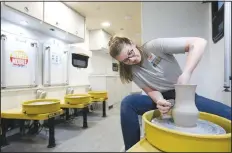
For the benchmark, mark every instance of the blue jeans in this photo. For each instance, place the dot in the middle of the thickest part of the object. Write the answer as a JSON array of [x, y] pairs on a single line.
[[135, 104]]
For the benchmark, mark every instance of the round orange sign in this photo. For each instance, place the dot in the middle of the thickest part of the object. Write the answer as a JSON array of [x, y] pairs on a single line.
[[19, 58]]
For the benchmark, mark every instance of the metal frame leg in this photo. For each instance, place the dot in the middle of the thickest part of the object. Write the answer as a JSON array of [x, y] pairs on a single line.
[[75, 112], [67, 113], [4, 141], [22, 127], [104, 109], [51, 125], [85, 111]]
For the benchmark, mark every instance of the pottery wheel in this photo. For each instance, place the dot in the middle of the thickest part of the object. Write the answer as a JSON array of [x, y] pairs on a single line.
[[202, 127]]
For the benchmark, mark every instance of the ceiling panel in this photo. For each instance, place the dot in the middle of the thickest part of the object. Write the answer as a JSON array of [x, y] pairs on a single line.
[[125, 17]]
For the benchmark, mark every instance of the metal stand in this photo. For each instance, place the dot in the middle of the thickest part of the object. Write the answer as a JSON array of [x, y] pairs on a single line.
[[51, 125], [75, 112], [67, 114], [22, 127], [85, 111], [104, 108], [4, 141]]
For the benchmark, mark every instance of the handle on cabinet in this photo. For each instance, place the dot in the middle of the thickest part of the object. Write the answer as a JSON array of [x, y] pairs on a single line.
[[3, 62], [57, 23], [26, 9], [35, 44], [48, 49]]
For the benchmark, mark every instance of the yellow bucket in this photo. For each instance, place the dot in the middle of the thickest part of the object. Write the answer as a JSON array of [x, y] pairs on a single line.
[[169, 140], [40, 106], [75, 99], [98, 94]]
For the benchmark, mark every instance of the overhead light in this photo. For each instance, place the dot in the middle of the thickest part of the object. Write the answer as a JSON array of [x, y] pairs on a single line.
[[128, 17], [105, 24], [137, 34], [24, 22]]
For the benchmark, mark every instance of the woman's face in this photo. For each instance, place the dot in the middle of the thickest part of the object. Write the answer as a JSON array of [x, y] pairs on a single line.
[[129, 55]]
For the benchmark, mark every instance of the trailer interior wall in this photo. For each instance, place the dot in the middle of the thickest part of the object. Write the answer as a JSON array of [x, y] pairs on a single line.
[[217, 67], [11, 98], [186, 19]]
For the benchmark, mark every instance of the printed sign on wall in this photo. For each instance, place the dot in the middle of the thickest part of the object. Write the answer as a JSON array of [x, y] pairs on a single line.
[[56, 58], [19, 58]]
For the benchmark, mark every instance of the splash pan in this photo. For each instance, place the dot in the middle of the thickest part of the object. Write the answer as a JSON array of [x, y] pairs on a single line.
[[212, 134], [98, 94], [202, 127], [75, 99], [40, 106]]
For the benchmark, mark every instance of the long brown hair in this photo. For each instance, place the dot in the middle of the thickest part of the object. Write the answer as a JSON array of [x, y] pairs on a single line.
[[116, 45]]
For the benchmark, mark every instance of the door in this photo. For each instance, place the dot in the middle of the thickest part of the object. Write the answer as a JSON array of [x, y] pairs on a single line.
[[34, 9]]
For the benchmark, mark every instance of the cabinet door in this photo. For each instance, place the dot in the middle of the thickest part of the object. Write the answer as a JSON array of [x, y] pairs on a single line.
[[34, 9], [77, 24], [53, 12], [111, 88], [19, 61], [55, 64], [80, 29], [105, 39]]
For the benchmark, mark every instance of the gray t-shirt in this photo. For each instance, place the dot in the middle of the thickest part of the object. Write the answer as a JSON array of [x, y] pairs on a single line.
[[159, 70]]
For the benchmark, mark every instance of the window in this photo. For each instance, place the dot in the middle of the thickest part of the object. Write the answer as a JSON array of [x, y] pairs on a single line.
[[217, 21]]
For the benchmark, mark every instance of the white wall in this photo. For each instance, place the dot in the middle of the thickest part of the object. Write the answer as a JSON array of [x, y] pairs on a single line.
[[102, 68], [186, 19], [217, 67], [13, 98], [102, 64]]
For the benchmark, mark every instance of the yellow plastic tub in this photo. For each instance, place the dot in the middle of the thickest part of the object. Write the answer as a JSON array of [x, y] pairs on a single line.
[[169, 140], [75, 99], [98, 94], [40, 106]]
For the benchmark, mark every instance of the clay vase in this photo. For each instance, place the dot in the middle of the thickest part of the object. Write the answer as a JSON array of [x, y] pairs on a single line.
[[185, 112]]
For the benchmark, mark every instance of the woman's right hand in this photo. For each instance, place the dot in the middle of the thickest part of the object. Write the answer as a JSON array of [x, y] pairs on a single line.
[[163, 105]]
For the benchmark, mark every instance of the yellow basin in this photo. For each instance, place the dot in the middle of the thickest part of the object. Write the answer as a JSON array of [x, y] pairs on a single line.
[[169, 140], [41, 106], [75, 99], [98, 94]]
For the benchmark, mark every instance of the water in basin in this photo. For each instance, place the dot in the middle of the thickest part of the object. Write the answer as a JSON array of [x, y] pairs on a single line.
[[202, 127], [40, 103], [77, 96]]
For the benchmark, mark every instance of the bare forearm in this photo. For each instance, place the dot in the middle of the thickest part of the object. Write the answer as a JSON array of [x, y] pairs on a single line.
[[155, 95], [196, 50]]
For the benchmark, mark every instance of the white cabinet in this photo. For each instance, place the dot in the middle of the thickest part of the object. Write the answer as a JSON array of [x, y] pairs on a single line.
[[61, 16], [34, 9], [76, 24], [98, 40], [55, 63], [116, 90], [18, 61], [111, 85], [53, 12], [98, 83]]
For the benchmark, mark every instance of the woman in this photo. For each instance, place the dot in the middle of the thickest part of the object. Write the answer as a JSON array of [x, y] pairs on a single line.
[[155, 70]]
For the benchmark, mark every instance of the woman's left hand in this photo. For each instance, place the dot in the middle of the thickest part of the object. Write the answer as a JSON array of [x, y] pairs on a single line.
[[184, 78]]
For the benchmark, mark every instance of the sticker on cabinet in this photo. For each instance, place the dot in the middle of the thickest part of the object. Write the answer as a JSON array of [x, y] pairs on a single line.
[[19, 58], [56, 59]]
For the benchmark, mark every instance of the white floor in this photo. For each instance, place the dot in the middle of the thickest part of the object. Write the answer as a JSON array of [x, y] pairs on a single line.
[[102, 134]]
